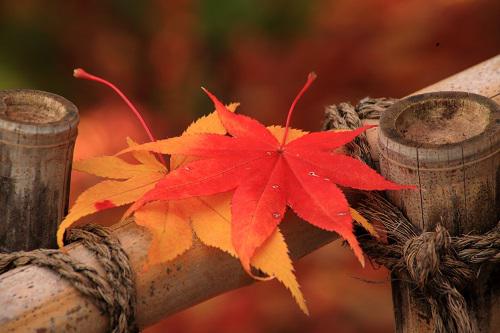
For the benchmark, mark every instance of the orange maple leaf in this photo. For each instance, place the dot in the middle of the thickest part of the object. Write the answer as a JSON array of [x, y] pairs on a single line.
[[172, 222]]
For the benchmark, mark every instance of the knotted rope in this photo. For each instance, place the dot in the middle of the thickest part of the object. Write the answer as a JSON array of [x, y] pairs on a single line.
[[438, 265], [113, 294]]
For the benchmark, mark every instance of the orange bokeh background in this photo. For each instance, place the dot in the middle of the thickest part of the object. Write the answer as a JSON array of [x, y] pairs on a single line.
[[258, 53]]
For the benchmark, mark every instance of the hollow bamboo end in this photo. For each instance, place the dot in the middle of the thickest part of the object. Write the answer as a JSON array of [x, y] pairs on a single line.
[[442, 125], [36, 113], [37, 136]]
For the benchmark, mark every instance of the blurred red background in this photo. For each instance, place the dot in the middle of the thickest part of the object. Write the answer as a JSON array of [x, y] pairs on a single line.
[[257, 53]]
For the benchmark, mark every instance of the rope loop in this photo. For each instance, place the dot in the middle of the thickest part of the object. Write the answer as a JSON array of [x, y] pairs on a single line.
[[120, 294], [423, 254], [114, 294]]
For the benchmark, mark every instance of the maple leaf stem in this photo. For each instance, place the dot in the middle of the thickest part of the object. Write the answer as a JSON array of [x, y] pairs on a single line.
[[310, 79], [80, 73]]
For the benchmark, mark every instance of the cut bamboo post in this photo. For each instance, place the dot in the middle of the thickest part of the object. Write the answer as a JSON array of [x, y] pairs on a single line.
[[482, 79], [37, 136], [33, 298], [448, 144]]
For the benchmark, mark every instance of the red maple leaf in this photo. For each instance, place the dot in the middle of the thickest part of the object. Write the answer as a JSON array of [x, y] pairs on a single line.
[[267, 176]]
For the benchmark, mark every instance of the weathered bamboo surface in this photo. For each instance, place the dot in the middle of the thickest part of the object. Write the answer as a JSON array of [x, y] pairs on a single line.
[[448, 144], [37, 136], [34, 299]]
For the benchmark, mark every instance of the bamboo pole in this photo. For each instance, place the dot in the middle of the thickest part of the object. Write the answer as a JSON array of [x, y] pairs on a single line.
[[482, 79], [47, 303], [37, 136], [448, 144]]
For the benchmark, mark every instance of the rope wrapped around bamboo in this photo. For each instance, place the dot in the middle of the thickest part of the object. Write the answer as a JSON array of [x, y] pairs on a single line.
[[438, 265], [114, 293]]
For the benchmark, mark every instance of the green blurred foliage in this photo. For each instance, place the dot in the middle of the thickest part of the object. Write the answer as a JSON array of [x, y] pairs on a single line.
[[220, 19]]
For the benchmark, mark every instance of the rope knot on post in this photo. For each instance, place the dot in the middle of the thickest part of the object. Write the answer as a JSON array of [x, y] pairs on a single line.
[[424, 253], [432, 265], [439, 266], [440, 270]]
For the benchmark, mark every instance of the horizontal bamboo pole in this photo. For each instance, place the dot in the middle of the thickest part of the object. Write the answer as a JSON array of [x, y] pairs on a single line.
[[482, 79], [34, 299]]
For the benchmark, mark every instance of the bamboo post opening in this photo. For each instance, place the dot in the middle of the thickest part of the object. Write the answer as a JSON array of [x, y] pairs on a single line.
[[448, 144], [37, 136]]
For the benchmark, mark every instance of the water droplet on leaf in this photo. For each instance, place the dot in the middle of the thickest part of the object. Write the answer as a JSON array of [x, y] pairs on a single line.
[[312, 174], [326, 179], [276, 215], [275, 186], [342, 214]]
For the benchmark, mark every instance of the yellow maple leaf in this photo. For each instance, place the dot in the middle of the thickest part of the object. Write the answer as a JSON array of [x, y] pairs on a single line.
[[112, 167], [170, 229], [130, 182], [145, 157], [272, 258]]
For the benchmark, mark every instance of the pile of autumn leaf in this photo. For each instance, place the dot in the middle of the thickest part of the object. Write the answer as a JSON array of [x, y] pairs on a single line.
[[229, 182]]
